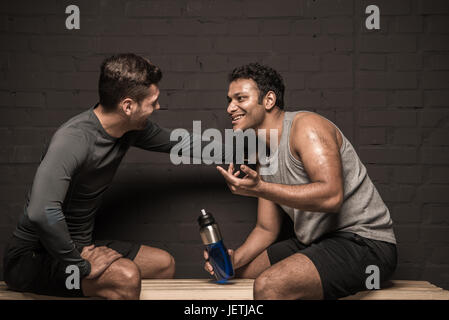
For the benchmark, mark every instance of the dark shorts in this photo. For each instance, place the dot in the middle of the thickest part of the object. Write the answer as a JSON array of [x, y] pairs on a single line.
[[341, 259], [28, 267]]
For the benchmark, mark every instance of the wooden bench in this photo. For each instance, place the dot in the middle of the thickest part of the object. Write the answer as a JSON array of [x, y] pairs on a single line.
[[242, 289]]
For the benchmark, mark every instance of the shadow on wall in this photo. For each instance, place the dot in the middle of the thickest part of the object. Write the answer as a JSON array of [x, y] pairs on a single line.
[[159, 206]]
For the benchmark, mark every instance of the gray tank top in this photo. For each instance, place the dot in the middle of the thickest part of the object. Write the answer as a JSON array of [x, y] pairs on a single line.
[[363, 211]]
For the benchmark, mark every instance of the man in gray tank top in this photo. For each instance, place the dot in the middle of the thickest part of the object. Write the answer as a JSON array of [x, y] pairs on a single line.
[[341, 227]]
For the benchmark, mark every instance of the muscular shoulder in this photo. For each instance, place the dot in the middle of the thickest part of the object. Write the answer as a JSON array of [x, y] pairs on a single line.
[[306, 121], [310, 127]]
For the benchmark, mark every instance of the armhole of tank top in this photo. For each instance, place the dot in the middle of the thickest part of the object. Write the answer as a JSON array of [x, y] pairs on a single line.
[[290, 155], [343, 138]]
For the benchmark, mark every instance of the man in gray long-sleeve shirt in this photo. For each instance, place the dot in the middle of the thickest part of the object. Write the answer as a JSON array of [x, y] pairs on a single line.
[[56, 228]]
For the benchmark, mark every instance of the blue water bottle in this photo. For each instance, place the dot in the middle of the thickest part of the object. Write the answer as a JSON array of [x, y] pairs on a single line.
[[218, 254]]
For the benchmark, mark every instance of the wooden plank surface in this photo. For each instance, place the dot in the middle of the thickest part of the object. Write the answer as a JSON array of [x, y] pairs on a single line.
[[242, 289], [197, 289], [403, 290]]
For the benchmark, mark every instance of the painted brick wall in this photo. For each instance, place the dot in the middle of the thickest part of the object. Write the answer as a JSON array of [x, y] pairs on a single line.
[[386, 89]]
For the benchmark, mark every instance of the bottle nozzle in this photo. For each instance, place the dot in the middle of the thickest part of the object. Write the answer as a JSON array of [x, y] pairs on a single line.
[[203, 212]]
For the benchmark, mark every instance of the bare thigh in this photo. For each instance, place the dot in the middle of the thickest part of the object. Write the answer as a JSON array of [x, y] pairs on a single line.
[[295, 277]]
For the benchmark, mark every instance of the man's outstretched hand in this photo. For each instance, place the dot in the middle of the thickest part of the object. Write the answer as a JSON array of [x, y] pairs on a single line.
[[249, 185], [100, 259]]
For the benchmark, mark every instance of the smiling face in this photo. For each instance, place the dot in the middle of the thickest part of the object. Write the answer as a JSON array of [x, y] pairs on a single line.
[[243, 104]]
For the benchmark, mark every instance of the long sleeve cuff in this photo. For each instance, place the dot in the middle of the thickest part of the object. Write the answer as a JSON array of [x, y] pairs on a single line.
[[84, 268]]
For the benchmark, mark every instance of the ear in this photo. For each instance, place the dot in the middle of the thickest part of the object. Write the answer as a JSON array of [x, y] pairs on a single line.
[[126, 105], [269, 101]]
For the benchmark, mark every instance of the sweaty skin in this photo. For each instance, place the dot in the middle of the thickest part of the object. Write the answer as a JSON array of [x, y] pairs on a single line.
[[318, 190], [316, 142]]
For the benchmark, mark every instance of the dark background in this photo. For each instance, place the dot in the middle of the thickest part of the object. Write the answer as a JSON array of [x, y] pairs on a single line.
[[386, 89]]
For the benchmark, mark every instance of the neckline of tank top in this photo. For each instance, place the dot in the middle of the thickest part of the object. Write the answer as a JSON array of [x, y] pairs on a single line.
[[274, 153]]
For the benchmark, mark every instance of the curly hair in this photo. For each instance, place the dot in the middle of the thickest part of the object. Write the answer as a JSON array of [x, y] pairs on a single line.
[[126, 75], [267, 79]]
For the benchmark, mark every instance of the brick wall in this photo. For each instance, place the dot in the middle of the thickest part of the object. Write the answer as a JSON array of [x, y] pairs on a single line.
[[386, 89]]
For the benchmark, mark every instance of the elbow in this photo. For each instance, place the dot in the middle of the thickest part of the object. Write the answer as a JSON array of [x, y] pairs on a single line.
[[34, 217], [334, 203], [38, 215]]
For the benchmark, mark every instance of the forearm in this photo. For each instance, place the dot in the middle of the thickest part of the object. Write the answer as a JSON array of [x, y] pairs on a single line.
[[315, 196], [258, 240], [65, 154], [190, 144], [55, 237]]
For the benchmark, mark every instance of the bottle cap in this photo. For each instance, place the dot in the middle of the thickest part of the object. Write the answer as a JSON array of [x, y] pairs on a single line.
[[205, 219]]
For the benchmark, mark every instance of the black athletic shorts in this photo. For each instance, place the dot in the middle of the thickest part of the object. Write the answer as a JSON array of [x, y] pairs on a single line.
[[341, 259], [28, 267]]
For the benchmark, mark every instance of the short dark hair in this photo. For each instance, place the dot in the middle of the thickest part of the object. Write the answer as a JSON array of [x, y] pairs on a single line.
[[267, 79], [126, 75]]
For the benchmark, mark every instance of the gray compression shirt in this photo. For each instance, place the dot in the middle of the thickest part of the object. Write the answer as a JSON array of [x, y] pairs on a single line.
[[75, 171]]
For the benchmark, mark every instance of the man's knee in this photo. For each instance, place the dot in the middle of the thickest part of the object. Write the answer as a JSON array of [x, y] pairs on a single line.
[[263, 288], [167, 266], [127, 273], [267, 288], [121, 281], [274, 286]]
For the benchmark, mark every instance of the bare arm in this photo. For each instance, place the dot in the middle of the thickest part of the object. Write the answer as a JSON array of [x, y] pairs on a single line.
[[265, 232], [314, 141]]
